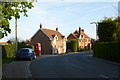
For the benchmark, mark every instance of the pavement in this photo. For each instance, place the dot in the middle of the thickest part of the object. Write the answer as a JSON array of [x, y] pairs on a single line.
[[16, 69]]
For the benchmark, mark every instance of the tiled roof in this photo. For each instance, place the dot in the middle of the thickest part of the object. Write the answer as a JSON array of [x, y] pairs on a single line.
[[86, 36], [71, 36], [51, 33], [76, 35]]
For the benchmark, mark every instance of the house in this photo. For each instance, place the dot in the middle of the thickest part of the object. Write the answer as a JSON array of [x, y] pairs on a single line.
[[49, 40], [83, 39], [3, 43]]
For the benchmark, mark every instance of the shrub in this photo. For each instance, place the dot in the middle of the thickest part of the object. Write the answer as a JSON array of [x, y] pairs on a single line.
[[24, 45], [107, 50], [9, 50], [74, 44]]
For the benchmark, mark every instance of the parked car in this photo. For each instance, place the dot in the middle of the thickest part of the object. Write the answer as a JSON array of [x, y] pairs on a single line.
[[25, 53]]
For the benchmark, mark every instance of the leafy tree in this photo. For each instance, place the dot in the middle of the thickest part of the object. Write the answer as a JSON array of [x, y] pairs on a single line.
[[106, 30], [12, 10], [117, 23]]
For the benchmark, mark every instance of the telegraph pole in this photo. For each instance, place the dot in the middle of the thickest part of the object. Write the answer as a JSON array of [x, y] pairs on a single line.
[[16, 32]]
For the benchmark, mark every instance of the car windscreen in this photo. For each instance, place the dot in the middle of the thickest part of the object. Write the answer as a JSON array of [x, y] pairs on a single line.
[[23, 50]]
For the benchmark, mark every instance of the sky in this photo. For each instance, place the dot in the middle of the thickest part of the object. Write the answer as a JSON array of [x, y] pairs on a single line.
[[66, 15]]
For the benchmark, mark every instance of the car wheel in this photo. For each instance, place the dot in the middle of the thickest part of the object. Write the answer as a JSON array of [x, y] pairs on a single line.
[[30, 58], [16, 58]]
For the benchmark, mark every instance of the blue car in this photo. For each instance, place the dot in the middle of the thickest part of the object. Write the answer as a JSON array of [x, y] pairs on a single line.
[[25, 53]]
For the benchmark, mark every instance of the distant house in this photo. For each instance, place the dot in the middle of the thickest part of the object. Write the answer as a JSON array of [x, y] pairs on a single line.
[[3, 43], [49, 39], [83, 39]]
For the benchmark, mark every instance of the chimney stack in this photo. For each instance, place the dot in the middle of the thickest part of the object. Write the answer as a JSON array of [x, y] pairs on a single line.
[[56, 29], [40, 26], [79, 30]]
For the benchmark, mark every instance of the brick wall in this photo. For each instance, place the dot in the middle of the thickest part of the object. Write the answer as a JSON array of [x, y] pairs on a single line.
[[46, 47]]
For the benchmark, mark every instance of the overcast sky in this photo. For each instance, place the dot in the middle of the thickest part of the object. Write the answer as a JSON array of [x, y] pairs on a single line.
[[67, 15]]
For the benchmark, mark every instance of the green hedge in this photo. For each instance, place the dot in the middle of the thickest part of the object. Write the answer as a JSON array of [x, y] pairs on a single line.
[[108, 50], [72, 45], [9, 51]]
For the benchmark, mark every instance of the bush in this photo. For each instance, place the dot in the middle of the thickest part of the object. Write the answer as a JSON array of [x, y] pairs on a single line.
[[72, 45], [24, 45], [107, 50], [9, 50]]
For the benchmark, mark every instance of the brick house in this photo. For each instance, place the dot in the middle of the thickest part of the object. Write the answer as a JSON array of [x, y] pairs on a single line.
[[83, 39], [3, 43], [49, 39]]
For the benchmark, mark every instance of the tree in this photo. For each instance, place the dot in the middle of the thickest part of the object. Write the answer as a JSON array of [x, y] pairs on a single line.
[[12, 10], [106, 30], [117, 23], [109, 29]]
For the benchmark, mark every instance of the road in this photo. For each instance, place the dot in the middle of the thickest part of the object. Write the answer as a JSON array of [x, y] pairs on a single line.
[[77, 65], [16, 70]]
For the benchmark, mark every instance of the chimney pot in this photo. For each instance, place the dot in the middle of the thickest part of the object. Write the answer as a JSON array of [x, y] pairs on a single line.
[[40, 26], [56, 29], [79, 30]]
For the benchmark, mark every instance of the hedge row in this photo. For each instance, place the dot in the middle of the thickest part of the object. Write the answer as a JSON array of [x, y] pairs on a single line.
[[109, 51], [9, 50]]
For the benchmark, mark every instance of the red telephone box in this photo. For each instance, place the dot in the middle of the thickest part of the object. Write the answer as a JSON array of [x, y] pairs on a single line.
[[38, 49]]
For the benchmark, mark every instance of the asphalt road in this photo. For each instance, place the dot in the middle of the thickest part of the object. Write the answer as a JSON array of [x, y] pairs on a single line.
[[79, 65], [16, 70]]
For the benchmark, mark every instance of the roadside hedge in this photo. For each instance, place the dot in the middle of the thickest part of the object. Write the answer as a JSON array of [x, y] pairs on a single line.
[[107, 50], [9, 50]]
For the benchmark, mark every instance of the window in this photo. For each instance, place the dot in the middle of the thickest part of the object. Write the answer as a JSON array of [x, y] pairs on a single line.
[[55, 39]]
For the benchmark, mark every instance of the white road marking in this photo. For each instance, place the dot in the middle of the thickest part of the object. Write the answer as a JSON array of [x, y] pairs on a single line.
[[89, 55], [28, 73], [78, 67], [103, 76]]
